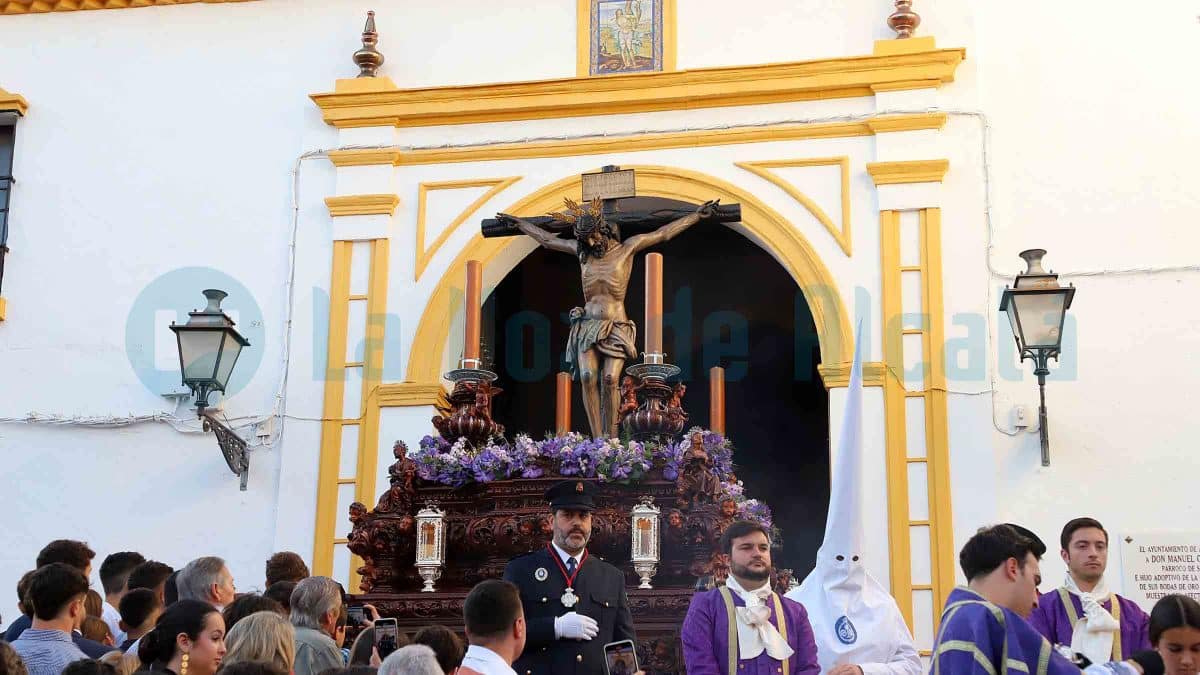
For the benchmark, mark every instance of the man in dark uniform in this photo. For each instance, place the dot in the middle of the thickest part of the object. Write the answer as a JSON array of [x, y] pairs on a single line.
[[574, 603]]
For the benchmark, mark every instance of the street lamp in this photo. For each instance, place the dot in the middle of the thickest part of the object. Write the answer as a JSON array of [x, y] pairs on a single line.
[[209, 347], [1037, 306]]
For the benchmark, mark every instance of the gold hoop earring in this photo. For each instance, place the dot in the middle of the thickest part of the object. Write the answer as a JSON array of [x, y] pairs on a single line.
[[183, 664]]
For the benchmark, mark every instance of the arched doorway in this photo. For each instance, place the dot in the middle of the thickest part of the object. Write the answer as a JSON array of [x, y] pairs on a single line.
[[727, 302]]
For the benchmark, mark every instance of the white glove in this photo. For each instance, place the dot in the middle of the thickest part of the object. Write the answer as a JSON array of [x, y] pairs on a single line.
[[575, 626]]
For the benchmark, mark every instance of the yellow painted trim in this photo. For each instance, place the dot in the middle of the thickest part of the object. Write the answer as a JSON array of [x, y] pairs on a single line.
[[373, 343], [913, 171], [896, 452], [634, 143], [838, 374], [3, 308], [11, 101], [363, 157], [636, 93], [41, 6], [401, 394], [331, 427], [424, 255], [840, 235], [765, 226], [904, 46], [905, 85], [583, 37], [362, 205], [937, 431], [892, 123]]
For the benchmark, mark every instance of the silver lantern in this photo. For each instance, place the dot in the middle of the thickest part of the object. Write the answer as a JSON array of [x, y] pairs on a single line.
[[644, 533], [431, 544]]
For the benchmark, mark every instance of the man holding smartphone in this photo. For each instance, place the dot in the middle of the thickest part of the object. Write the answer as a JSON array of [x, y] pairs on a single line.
[[574, 603]]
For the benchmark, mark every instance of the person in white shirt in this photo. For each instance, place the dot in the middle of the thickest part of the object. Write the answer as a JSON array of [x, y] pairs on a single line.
[[114, 576], [495, 626], [858, 627]]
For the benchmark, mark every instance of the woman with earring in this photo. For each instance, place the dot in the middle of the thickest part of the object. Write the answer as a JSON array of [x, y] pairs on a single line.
[[189, 639], [1175, 635]]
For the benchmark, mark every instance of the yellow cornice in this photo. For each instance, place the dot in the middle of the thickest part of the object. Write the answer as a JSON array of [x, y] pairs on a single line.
[[400, 394], [647, 92], [363, 157], [838, 374], [362, 205], [40, 6], [763, 170], [651, 141], [890, 123], [11, 101], [3, 308], [914, 171]]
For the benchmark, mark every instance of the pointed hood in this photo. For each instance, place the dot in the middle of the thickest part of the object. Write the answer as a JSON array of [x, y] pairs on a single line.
[[843, 600]]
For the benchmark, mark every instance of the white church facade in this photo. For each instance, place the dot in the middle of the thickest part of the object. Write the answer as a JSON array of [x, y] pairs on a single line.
[[162, 148]]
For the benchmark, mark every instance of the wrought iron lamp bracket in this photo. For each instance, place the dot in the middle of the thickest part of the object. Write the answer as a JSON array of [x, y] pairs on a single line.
[[233, 447]]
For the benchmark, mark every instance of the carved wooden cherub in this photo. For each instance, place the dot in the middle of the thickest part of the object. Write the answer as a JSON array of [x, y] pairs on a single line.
[[629, 402]]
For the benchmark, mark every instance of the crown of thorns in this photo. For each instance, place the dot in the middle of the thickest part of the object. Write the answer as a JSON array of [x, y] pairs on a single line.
[[590, 215]]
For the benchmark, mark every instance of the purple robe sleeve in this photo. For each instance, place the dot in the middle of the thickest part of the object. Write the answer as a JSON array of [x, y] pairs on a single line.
[[970, 639], [699, 643], [804, 661]]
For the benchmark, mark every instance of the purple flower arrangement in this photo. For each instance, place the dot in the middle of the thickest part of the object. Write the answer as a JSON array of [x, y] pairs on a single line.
[[573, 455]]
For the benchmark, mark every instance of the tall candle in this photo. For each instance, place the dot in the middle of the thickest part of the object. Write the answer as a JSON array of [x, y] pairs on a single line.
[[474, 303], [716, 399], [562, 404], [654, 306]]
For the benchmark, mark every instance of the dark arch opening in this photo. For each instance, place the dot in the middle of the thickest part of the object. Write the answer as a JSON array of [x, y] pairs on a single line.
[[726, 302]]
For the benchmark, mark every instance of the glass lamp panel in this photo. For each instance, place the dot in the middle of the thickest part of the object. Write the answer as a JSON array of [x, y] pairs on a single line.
[[1041, 316], [198, 350], [229, 357], [1014, 322]]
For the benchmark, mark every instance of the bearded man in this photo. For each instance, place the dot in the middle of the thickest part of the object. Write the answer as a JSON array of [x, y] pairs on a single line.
[[743, 627], [574, 603]]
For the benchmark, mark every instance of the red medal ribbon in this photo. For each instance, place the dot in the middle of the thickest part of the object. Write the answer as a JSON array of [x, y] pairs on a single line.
[[563, 568]]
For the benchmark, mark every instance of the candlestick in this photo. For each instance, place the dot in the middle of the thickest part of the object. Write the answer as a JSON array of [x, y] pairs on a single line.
[[562, 405], [716, 400], [654, 307], [474, 302]]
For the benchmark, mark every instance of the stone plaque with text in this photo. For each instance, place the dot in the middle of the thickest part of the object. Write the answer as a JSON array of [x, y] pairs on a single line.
[[1160, 563]]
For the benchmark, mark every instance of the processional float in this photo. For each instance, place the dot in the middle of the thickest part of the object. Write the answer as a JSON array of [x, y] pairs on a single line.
[[469, 499]]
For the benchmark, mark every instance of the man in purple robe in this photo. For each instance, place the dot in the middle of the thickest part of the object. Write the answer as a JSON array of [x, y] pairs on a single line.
[[1083, 614], [743, 628], [983, 629]]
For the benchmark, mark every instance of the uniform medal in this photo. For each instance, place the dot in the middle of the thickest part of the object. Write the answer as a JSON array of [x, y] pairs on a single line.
[[568, 599]]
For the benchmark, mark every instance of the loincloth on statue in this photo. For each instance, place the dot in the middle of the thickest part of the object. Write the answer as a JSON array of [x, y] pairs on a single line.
[[611, 338]]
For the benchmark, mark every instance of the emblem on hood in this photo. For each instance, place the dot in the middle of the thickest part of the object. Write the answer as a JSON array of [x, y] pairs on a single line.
[[846, 634]]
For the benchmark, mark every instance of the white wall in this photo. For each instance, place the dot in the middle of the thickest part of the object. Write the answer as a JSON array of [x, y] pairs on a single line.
[[160, 138]]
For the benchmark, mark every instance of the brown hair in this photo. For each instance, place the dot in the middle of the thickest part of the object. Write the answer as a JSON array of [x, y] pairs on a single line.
[[10, 661], [74, 553], [286, 566], [739, 529], [96, 630], [94, 604]]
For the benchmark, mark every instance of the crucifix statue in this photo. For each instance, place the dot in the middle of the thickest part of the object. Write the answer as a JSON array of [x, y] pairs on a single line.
[[602, 337]]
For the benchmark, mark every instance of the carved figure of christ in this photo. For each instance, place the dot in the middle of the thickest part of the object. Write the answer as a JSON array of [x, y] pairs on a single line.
[[602, 336]]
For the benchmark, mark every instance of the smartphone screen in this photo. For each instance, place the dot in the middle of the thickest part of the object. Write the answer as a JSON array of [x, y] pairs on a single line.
[[355, 615], [385, 637], [620, 658]]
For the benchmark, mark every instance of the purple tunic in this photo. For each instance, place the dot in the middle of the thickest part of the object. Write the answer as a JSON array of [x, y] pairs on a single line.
[[1051, 619], [705, 637], [976, 637]]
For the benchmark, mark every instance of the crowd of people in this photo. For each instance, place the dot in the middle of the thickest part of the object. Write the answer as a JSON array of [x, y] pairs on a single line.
[[192, 621]]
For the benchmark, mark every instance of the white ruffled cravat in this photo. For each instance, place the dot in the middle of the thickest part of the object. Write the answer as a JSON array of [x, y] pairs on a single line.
[[1093, 636], [755, 631]]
